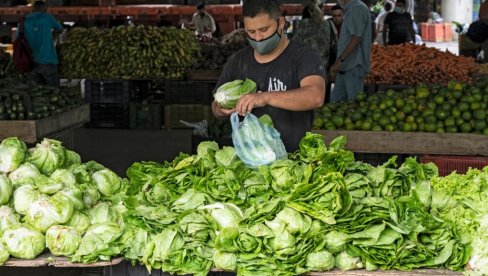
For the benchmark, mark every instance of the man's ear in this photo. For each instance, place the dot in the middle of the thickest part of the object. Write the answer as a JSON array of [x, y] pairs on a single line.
[[281, 24]]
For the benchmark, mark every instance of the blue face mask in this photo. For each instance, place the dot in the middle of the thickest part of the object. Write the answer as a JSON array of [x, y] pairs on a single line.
[[266, 45]]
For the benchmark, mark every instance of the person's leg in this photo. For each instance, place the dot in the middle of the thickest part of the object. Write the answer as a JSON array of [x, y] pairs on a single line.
[[354, 82], [339, 93], [35, 76], [50, 74]]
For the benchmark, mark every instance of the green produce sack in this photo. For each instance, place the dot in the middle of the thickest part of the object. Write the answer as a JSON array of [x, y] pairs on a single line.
[[256, 142]]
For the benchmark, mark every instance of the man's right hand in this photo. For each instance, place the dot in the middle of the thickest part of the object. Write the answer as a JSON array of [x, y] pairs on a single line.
[[220, 112]]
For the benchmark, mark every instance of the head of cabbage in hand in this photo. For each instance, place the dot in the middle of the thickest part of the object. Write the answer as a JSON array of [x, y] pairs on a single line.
[[229, 93]]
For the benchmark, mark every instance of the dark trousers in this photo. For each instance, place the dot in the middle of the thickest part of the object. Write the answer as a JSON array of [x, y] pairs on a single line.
[[45, 74]]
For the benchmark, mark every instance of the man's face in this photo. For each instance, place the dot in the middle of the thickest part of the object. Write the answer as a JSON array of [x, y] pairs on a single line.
[[201, 12], [337, 17], [262, 26]]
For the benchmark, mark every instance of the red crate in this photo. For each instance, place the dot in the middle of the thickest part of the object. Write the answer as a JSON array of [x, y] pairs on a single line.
[[424, 31], [436, 32], [447, 32], [449, 163]]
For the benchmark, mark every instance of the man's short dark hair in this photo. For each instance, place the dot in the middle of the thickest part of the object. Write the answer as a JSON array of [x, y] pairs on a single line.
[[252, 8], [200, 6], [39, 6], [336, 7], [388, 6]]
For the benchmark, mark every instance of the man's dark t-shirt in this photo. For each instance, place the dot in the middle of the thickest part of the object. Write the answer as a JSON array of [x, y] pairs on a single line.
[[284, 73], [399, 26]]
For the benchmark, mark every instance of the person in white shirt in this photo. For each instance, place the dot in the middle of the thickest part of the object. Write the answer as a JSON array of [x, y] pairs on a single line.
[[202, 21]]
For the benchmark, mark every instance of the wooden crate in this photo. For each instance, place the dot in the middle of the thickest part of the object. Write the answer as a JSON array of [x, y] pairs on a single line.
[[31, 131], [411, 142]]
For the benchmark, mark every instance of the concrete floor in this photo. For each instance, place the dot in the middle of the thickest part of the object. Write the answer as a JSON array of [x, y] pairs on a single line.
[[451, 46]]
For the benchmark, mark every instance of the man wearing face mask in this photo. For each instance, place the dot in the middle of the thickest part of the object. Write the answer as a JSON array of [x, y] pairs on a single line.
[[290, 77], [203, 21], [353, 51], [398, 26]]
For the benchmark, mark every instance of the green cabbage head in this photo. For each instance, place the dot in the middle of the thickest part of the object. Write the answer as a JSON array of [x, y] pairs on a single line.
[[229, 93], [320, 261], [107, 181], [23, 242], [62, 240], [23, 197], [48, 211], [224, 260], [79, 221], [47, 156], [5, 189], [12, 153], [24, 174], [4, 255], [346, 262], [8, 218]]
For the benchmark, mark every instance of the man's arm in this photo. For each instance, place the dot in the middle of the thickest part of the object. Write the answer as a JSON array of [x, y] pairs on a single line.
[[213, 28], [309, 96], [351, 47]]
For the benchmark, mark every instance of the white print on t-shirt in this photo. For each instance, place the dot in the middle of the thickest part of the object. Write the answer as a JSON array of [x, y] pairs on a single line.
[[276, 85]]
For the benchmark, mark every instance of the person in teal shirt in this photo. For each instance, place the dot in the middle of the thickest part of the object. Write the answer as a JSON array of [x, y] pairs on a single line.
[[38, 31], [353, 51]]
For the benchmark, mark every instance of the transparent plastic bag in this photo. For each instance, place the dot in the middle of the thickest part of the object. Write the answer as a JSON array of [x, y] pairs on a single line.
[[256, 143]]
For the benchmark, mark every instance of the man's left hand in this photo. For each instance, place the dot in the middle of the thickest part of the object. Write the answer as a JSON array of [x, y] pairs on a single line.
[[250, 101], [335, 67]]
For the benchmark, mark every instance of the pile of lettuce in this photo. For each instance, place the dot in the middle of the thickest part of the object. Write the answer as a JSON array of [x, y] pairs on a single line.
[[462, 200], [51, 201], [316, 210]]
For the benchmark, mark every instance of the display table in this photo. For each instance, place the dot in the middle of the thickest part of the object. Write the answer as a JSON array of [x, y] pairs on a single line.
[[31, 131], [410, 142], [50, 260]]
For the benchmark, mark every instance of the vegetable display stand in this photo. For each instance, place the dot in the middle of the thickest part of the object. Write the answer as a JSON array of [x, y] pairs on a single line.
[[411, 142], [31, 131], [449, 163]]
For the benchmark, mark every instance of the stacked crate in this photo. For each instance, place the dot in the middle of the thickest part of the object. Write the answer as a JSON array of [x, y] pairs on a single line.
[[189, 101], [110, 101]]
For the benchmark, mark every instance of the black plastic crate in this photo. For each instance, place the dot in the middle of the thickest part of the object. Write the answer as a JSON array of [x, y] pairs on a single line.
[[109, 115], [188, 92], [145, 116], [107, 91]]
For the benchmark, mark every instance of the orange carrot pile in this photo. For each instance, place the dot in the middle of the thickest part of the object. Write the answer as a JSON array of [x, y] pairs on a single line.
[[413, 64]]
